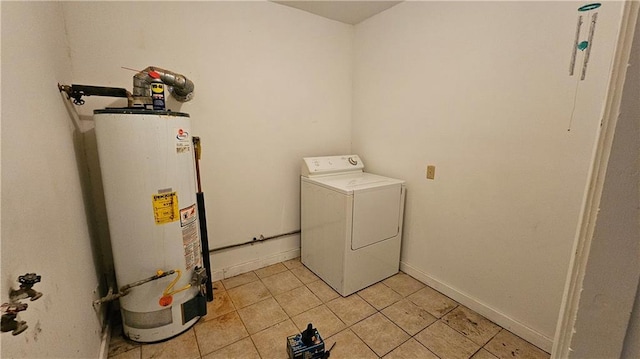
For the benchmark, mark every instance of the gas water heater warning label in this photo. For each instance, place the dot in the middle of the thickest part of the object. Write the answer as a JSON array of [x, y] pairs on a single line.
[[165, 207], [190, 239], [188, 215]]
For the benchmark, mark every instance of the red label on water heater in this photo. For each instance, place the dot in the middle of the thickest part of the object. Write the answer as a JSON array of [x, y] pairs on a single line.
[[183, 144], [182, 135]]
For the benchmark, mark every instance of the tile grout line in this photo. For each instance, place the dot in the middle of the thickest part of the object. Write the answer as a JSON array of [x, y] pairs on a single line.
[[196, 337], [488, 341], [381, 313], [332, 311]]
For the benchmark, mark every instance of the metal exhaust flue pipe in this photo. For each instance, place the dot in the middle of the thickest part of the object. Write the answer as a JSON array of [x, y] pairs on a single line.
[[182, 87]]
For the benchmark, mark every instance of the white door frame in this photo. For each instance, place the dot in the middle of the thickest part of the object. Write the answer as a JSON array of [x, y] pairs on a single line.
[[598, 297]]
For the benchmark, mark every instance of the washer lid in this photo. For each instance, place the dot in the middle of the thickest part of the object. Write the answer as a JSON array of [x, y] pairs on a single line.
[[360, 181]]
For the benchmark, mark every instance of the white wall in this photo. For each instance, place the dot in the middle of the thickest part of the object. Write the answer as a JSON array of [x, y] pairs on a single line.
[[272, 85], [481, 90], [44, 215]]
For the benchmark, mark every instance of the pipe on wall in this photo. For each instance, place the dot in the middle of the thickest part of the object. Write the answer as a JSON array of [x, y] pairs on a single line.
[[254, 240]]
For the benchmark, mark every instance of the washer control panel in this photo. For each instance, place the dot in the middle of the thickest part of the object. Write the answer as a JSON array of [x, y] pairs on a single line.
[[316, 166]]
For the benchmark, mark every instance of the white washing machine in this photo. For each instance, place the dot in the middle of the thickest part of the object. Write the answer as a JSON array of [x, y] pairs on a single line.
[[351, 222]]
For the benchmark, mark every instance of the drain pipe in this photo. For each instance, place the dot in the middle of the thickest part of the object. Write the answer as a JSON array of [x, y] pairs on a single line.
[[182, 87]]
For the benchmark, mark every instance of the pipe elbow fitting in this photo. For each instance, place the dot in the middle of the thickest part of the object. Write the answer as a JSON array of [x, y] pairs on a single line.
[[182, 87]]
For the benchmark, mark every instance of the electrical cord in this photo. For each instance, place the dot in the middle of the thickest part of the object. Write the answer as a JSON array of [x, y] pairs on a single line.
[[327, 353]]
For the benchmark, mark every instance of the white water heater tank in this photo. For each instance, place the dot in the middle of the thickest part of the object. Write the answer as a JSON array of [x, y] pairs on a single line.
[[148, 174]]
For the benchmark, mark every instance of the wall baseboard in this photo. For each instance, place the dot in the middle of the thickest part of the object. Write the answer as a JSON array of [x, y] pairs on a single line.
[[231, 271], [492, 314]]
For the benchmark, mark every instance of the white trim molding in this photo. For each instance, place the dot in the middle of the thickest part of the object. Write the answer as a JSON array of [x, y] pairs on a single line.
[[600, 237], [496, 316]]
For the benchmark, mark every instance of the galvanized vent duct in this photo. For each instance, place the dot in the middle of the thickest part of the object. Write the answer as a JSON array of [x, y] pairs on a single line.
[[182, 87]]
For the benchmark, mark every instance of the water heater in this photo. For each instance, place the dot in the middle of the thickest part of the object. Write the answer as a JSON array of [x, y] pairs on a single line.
[[148, 174]]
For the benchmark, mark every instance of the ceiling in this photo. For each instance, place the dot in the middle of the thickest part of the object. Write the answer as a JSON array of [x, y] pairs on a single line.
[[348, 12]]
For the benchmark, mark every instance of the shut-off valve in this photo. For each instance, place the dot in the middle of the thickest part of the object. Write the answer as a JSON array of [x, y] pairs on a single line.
[[10, 311], [26, 290]]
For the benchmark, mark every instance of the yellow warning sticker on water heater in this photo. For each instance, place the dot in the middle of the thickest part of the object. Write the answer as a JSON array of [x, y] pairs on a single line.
[[165, 207]]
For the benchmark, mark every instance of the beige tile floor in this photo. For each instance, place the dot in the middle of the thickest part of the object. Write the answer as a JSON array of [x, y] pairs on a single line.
[[253, 313]]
